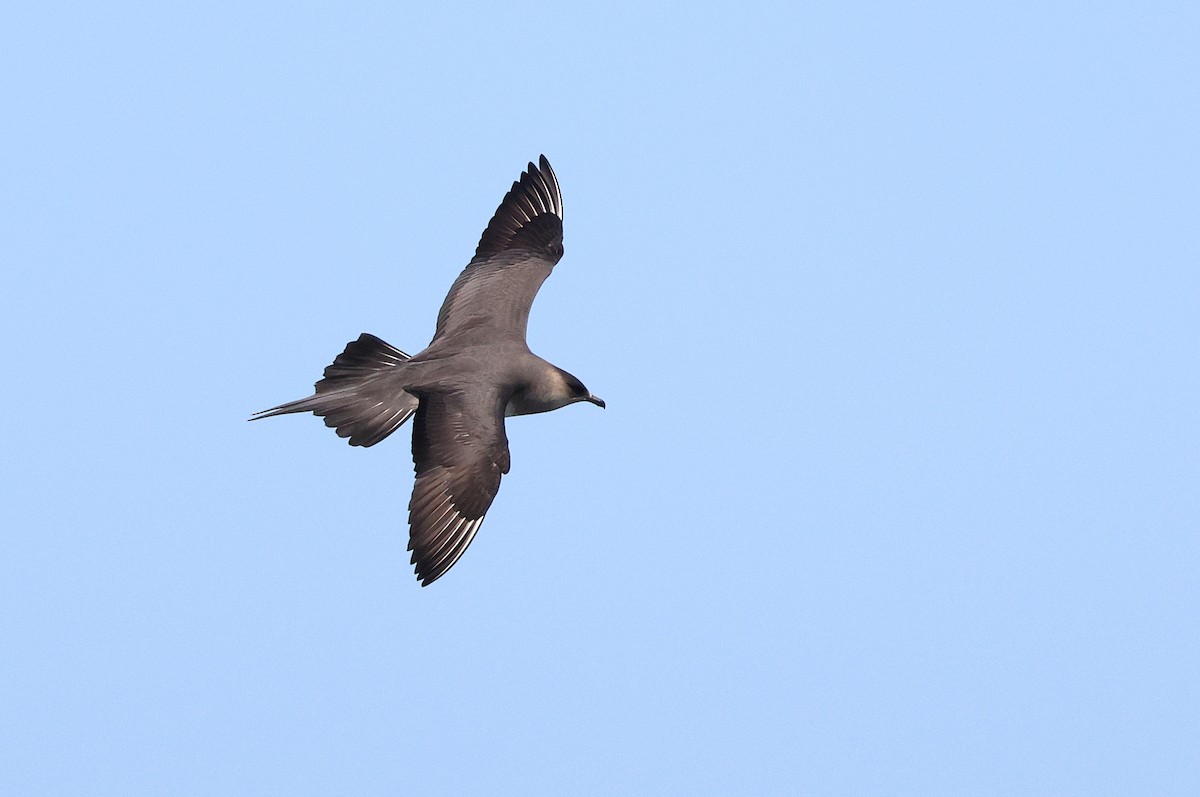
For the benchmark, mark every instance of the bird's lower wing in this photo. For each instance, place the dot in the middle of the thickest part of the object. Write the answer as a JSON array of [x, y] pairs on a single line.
[[460, 452]]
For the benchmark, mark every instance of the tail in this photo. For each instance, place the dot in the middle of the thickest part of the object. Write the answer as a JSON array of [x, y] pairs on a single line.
[[352, 399]]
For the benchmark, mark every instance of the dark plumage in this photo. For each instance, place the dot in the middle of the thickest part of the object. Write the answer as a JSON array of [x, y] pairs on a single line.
[[476, 370]]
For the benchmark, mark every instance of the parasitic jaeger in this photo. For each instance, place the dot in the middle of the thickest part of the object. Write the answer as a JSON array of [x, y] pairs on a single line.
[[477, 370]]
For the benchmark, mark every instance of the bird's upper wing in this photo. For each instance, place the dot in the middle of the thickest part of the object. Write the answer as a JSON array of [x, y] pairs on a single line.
[[491, 298], [460, 452]]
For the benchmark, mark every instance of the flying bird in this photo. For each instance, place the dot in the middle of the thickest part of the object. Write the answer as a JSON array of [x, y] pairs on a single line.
[[475, 372]]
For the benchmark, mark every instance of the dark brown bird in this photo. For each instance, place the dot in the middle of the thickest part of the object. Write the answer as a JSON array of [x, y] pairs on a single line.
[[476, 371]]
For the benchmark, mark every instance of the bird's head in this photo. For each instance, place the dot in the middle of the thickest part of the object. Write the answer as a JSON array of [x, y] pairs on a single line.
[[577, 392], [550, 389]]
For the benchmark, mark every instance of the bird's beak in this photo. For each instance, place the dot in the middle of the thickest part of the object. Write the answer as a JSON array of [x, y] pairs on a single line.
[[599, 402]]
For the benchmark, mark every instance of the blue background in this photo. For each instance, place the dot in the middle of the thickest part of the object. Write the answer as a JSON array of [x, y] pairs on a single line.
[[896, 308]]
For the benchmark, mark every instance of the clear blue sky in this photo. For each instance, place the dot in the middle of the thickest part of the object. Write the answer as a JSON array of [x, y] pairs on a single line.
[[896, 308]]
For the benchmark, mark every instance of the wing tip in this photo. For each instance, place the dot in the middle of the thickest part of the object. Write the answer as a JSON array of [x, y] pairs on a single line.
[[434, 564], [530, 215], [438, 536]]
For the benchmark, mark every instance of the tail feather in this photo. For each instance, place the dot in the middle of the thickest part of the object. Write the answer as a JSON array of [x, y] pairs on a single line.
[[354, 398], [368, 353]]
